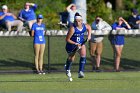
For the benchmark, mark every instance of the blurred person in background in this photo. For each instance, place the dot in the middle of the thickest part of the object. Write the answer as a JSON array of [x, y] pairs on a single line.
[[117, 41], [27, 15], [134, 19], [9, 20], [96, 44], [72, 10], [38, 30]]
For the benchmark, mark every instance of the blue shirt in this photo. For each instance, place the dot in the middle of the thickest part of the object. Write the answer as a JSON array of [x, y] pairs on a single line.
[[0, 20], [6, 18], [132, 22], [118, 39], [78, 37], [39, 33], [28, 15], [94, 27]]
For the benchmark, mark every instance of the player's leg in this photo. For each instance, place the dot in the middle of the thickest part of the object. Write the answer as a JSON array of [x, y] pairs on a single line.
[[93, 47], [41, 54], [8, 25], [36, 51], [82, 62], [98, 55], [19, 25], [68, 64], [118, 49], [71, 56], [30, 23], [69, 61]]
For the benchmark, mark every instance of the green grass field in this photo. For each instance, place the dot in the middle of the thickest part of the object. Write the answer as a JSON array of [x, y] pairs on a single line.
[[107, 82], [16, 53]]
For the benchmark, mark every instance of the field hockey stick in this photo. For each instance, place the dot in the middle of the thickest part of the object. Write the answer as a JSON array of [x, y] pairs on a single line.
[[76, 48]]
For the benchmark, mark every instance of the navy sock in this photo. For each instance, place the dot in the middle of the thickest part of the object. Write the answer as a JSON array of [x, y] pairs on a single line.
[[68, 64], [82, 63]]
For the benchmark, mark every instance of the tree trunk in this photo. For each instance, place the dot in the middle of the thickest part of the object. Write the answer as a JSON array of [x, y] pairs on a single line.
[[119, 4], [82, 7], [134, 1]]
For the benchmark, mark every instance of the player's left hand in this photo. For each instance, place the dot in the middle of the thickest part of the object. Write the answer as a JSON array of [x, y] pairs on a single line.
[[88, 38]]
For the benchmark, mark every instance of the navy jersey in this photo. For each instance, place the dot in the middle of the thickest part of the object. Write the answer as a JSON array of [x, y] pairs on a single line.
[[78, 37]]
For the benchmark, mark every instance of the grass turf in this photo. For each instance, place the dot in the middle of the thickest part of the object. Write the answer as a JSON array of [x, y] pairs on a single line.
[[16, 53], [107, 82]]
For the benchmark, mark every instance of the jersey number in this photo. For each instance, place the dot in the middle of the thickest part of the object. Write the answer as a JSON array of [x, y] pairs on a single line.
[[78, 39]]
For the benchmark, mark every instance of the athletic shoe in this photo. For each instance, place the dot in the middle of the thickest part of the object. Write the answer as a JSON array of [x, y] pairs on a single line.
[[42, 72], [70, 78], [98, 69], [117, 70], [81, 75], [68, 73], [38, 72]]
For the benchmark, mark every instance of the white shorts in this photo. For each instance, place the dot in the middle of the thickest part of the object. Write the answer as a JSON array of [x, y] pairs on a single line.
[[96, 39]]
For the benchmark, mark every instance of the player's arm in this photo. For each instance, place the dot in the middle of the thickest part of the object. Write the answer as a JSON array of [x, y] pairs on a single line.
[[34, 6], [32, 30], [14, 16], [126, 23], [20, 16], [89, 32], [69, 35], [2, 16], [69, 6], [32, 33]]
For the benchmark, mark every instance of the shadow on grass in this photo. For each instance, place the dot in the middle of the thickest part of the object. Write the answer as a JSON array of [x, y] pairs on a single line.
[[126, 64], [16, 63], [106, 64]]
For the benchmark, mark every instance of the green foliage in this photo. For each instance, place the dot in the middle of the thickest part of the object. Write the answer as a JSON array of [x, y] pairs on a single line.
[[129, 4], [51, 13], [126, 12], [51, 8], [97, 8], [48, 8]]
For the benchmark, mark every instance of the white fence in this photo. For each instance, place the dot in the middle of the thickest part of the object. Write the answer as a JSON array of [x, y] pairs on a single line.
[[64, 32]]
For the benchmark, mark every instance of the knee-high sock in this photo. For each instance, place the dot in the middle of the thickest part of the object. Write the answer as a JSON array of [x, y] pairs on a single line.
[[68, 64], [82, 63]]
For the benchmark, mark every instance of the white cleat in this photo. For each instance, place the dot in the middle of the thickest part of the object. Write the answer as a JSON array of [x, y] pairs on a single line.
[[81, 75], [70, 79], [68, 73], [42, 72]]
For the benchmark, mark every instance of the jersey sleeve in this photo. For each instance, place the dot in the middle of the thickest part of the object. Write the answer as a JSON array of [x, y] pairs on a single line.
[[114, 26], [34, 7], [20, 14]]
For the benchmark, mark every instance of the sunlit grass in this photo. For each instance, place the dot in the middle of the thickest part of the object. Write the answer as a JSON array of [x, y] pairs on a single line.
[[57, 83]]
